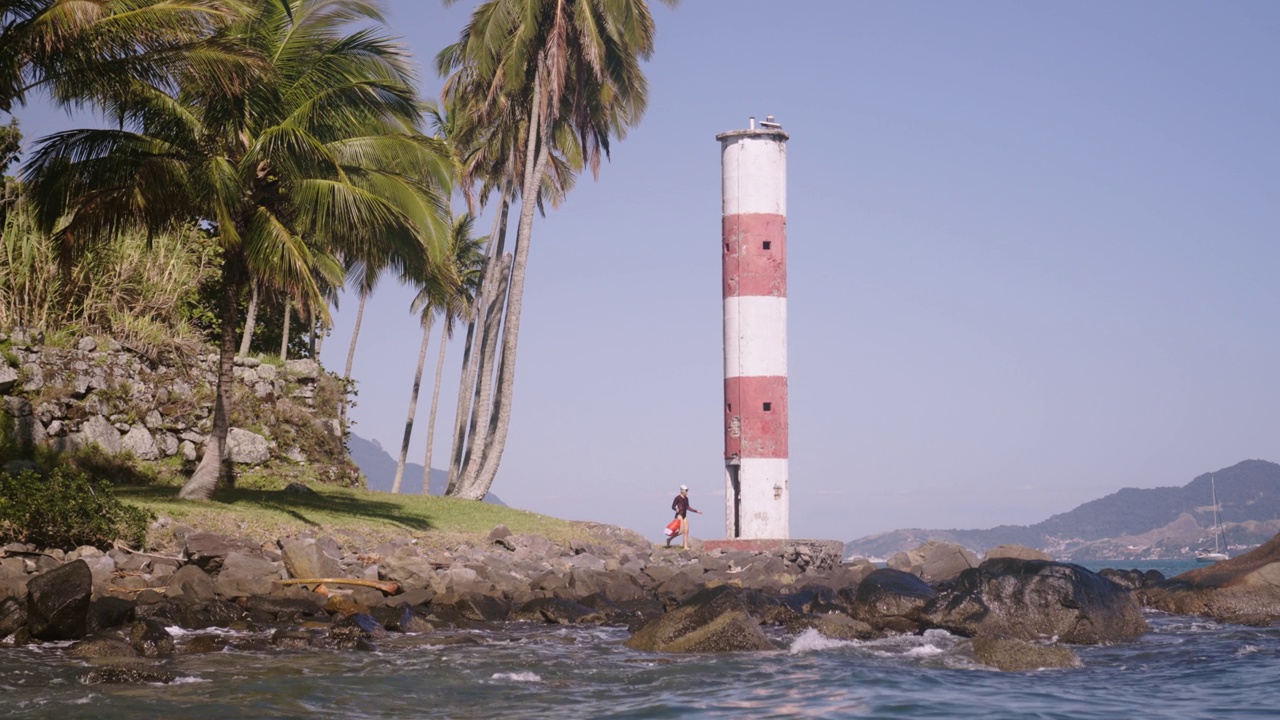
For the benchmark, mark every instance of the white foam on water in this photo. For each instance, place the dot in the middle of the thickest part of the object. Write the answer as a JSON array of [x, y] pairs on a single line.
[[811, 640], [188, 680], [530, 677], [1248, 649]]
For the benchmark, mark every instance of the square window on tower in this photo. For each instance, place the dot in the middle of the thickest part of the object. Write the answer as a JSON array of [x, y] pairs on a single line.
[[767, 244], [768, 407]]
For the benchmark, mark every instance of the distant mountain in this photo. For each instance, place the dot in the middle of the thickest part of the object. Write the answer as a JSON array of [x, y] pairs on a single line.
[[1153, 523], [379, 470]]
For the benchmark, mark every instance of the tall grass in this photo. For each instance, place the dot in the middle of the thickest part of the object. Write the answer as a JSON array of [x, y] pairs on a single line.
[[142, 291]]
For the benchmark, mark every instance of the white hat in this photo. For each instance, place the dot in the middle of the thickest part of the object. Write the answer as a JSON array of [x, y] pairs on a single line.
[[684, 487]]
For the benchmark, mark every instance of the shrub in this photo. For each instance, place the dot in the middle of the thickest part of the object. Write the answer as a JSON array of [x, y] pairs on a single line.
[[66, 509]]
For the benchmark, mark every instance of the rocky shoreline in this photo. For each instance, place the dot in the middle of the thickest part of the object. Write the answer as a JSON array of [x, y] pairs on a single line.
[[1021, 612]]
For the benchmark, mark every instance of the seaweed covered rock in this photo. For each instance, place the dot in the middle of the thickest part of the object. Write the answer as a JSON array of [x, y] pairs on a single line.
[[714, 620]]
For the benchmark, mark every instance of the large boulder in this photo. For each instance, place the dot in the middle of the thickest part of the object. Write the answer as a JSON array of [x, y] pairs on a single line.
[[248, 448], [1033, 599], [1245, 588], [714, 620], [141, 443], [305, 558], [58, 602], [244, 576], [892, 600], [935, 561], [1022, 552]]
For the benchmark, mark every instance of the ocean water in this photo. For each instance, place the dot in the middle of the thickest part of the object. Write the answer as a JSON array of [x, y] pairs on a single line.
[[1184, 668]]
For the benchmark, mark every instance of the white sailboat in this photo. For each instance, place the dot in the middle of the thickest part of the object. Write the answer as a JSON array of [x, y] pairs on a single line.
[[1218, 549]]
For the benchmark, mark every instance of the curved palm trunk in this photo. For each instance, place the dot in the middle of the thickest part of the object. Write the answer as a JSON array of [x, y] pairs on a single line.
[[205, 479], [500, 420], [475, 385], [431, 418], [250, 320], [475, 483], [413, 409], [478, 431], [465, 385], [351, 356]]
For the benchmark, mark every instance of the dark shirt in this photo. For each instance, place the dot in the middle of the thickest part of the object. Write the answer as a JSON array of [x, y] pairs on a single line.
[[681, 506]]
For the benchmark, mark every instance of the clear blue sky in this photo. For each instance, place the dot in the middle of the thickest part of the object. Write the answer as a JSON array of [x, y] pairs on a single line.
[[1033, 257]]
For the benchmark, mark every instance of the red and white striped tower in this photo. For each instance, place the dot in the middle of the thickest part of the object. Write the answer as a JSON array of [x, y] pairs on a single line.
[[754, 206]]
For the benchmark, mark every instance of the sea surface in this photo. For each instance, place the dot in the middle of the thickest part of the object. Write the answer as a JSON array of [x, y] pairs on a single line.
[[1184, 668]]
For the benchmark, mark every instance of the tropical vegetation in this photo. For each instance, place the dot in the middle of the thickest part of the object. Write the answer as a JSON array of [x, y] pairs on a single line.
[[263, 155]]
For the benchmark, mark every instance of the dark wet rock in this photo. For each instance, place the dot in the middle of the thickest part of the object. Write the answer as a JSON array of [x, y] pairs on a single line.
[[109, 612], [150, 638], [193, 616], [1013, 655], [58, 602], [275, 608], [199, 644], [462, 610], [838, 627], [289, 639], [13, 617], [102, 646], [1245, 586], [714, 620], [367, 625], [1133, 579], [892, 600], [556, 611], [935, 561], [402, 618], [610, 610], [1031, 599], [125, 676]]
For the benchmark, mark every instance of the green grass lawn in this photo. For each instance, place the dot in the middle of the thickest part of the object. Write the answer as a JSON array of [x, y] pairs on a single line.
[[370, 517]]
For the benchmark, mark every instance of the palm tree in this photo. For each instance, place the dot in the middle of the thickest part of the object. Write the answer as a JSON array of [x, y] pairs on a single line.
[[318, 157], [93, 50], [565, 70], [469, 261], [449, 301]]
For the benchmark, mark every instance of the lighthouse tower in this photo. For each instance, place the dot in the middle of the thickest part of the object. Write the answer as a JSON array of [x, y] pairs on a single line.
[[754, 206]]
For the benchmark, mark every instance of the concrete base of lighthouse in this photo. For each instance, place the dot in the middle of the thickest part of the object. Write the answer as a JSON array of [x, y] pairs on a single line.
[[822, 552]]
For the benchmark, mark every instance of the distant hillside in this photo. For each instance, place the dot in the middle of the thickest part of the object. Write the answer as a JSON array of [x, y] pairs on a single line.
[[1163, 522], [379, 470]]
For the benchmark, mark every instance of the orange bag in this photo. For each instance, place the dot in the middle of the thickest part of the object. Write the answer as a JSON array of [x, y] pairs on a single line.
[[673, 527]]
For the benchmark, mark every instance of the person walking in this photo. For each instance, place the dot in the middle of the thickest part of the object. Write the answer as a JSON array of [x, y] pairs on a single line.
[[683, 508]]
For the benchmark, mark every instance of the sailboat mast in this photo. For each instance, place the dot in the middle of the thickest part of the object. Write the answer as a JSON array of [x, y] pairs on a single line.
[[1217, 523]]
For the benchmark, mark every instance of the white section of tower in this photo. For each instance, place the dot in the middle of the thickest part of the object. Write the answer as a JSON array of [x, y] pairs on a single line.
[[755, 174], [765, 502], [755, 327]]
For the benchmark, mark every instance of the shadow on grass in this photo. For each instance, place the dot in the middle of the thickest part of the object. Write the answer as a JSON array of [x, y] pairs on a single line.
[[301, 506]]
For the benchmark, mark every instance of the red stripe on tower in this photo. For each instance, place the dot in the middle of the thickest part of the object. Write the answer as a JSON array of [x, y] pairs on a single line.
[[754, 233]]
